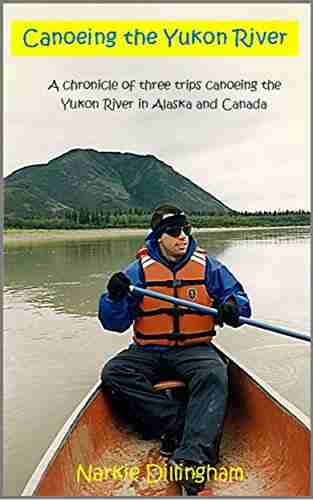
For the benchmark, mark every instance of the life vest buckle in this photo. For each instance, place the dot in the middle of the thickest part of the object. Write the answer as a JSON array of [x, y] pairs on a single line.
[[177, 283], [174, 336]]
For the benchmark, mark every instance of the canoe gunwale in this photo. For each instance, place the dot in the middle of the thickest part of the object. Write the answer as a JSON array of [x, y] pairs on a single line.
[[59, 440], [71, 422]]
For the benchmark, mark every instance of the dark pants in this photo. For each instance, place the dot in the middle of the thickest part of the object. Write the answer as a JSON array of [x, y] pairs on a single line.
[[129, 378]]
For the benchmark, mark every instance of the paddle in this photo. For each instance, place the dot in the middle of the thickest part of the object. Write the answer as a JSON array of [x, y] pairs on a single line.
[[213, 312]]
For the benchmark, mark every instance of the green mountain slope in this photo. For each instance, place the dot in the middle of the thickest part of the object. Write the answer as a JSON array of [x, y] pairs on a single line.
[[102, 180]]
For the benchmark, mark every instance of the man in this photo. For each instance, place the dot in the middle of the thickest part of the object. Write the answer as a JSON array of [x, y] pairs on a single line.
[[171, 341]]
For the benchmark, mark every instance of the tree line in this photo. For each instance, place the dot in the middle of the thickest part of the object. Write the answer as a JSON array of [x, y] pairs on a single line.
[[140, 218]]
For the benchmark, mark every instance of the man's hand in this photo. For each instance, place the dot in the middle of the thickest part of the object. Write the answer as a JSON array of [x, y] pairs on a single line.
[[118, 286], [228, 313]]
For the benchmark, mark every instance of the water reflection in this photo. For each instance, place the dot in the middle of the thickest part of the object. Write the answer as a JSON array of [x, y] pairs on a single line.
[[70, 276], [241, 236]]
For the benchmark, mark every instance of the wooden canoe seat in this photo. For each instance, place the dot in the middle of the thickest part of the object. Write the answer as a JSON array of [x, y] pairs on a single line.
[[168, 384]]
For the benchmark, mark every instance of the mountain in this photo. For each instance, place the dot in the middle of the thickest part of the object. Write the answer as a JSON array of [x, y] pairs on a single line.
[[85, 178]]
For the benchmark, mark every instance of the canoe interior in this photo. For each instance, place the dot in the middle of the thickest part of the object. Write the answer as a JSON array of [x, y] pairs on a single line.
[[270, 445]]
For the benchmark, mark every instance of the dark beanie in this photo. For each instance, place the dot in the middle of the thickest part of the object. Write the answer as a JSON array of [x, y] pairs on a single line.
[[167, 215]]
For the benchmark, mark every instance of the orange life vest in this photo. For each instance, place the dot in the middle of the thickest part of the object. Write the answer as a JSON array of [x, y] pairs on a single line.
[[167, 324]]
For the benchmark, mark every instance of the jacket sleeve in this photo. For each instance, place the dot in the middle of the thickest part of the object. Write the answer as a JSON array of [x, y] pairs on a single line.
[[222, 285], [118, 316]]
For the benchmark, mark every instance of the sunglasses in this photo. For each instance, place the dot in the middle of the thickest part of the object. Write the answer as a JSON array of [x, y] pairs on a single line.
[[175, 231]]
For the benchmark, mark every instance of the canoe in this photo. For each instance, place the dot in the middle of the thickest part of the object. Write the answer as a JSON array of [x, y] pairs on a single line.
[[265, 450]]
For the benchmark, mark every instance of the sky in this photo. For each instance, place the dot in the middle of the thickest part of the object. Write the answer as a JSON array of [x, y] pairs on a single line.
[[250, 160]]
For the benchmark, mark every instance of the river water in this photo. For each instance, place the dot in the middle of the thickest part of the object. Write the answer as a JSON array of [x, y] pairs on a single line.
[[54, 347]]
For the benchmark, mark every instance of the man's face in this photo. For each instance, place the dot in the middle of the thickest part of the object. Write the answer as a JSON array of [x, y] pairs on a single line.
[[174, 247]]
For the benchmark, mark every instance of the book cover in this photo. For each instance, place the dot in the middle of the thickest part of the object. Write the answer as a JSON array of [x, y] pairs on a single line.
[[109, 111]]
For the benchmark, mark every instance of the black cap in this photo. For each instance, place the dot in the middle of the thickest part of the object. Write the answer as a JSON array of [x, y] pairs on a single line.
[[165, 216]]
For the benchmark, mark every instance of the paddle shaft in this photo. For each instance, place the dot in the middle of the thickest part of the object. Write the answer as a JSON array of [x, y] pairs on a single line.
[[213, 312]]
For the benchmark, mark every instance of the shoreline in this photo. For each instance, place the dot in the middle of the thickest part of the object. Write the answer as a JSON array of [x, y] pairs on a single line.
[[48, 235]]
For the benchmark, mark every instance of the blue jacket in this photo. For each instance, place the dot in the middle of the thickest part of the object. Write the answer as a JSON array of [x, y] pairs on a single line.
[[220, 282]]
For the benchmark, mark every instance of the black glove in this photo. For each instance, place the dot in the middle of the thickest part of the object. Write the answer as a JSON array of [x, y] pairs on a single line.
[[118, 286], [228, 313]]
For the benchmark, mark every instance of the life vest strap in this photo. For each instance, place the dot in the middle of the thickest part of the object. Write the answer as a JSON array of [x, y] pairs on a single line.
[[175, 335], [174, 283], [174, 311]]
